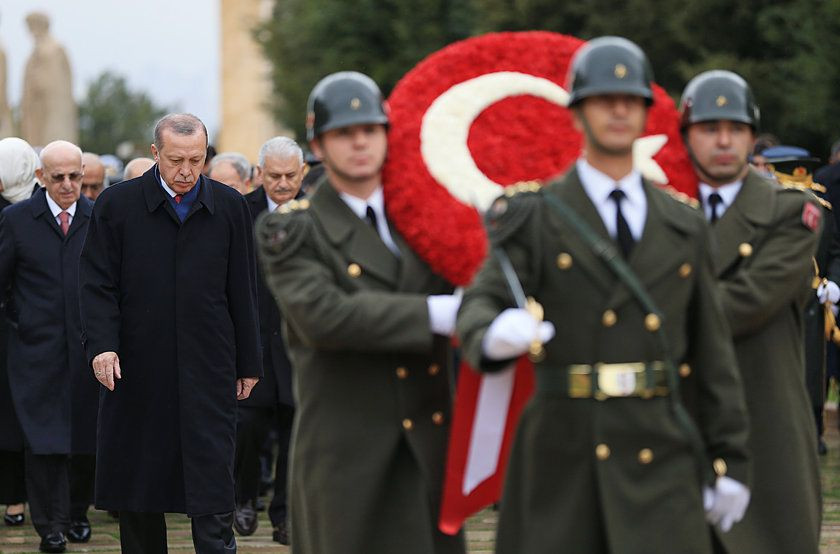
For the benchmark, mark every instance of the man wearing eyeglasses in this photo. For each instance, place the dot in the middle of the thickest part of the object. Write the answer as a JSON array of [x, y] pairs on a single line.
[[40, 243]]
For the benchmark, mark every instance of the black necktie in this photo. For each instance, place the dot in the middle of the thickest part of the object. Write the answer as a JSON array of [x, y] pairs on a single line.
[[625, 238], [371, 218], [714, 201]]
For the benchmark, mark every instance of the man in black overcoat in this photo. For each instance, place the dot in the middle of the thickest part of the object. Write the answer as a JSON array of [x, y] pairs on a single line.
[[168, 297], [40, 242], [281, 168]]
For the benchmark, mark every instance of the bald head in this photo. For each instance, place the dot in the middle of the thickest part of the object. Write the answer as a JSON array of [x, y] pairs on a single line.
[[137, 167], [93, 181], [61, 172]]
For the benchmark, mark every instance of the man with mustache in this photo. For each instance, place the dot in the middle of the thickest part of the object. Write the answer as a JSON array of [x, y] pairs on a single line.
[[766, 236]]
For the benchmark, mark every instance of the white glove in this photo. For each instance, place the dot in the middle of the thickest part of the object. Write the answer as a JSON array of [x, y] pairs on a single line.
[[726, 503], [443, 308], [828, 291], [512, 332]]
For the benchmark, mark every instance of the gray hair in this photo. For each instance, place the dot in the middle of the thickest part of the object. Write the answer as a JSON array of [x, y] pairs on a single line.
[[280, 147], [239, 162], [183, 124]]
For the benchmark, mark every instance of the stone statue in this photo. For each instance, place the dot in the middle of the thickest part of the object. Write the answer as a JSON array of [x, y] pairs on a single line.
[[6, 128], [47, 109]]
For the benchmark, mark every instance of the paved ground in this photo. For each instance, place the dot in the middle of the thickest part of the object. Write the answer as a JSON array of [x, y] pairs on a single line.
[[480, 528]]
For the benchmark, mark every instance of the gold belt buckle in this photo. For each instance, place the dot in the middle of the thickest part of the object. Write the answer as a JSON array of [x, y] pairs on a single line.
[[618, 380]]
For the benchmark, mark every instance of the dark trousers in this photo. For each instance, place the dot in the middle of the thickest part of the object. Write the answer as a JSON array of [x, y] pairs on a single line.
[[277, 510], [12, 478], [48, 491], [145, 533], [82, 474]]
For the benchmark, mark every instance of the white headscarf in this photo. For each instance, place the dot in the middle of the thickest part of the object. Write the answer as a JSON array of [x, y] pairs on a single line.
[[18, 162]]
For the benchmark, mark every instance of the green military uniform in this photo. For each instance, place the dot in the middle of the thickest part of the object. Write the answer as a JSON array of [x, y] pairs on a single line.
[[615, 475], [371, 383], [763, 261]]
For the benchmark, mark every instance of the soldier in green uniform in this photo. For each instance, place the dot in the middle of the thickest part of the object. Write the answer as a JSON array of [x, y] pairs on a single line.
[[765, 237], [605, 457], [367, 325]]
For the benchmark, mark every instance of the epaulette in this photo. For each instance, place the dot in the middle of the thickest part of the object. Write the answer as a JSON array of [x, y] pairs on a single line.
[[509, 211], [280, 234], [681, 197], [810, 192]]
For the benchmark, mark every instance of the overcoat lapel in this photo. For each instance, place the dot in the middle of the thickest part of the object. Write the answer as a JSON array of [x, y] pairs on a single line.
[[357, 240], [571, 192], [81, 217], [753, 207], [40, 209], [155, 195]]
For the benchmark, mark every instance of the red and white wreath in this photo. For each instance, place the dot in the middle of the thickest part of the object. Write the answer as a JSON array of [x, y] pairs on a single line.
[[486, 113]]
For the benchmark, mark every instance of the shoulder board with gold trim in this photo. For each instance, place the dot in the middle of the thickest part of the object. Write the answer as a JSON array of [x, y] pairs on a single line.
[[508, 212], [280, 234], [680, 197]]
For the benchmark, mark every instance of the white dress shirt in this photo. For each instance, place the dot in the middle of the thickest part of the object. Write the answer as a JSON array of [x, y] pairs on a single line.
[[272, 205], [727, 195], [598, 187], [56, 209], [166, 187], [377, 202]]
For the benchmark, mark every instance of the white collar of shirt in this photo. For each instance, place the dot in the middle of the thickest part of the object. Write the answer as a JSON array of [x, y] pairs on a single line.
[[168, 190], [272, 205], [56, 209], [377, 202], [727, 194], [598, 187]]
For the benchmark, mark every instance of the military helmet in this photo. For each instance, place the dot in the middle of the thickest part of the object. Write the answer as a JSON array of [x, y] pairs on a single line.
[[718, 95], [343, 99], [609, 65]]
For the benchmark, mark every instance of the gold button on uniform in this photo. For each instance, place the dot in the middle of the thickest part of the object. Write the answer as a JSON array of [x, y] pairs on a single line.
[[353, 270], [434, 369], [564, 260], [609, 318], [719, 466], [652, 322], [602, 451], [402, 372], [685, 370], [437, 418], [408, 425], [745, 249], [685, 270], [645, 456]]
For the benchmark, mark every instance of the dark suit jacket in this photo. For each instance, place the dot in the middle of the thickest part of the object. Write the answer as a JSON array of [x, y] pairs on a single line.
[[276, 383], [177, 302], [53, 390]]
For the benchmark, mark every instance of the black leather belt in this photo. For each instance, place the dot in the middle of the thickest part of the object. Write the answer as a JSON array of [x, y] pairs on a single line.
[[603, 381]]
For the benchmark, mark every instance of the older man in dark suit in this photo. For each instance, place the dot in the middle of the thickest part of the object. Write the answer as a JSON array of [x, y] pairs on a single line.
[[168, 296], [281, 168], [40, 242]]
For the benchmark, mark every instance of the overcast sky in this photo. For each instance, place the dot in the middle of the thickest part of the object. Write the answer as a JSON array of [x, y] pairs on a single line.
[[167, 48]]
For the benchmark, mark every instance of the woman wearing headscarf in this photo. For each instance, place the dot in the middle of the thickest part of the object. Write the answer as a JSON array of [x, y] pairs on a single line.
[[18, 162]]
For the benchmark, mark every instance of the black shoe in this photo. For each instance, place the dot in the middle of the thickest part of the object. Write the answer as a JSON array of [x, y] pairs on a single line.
[[280, 534], [245, 519], [14, 520], [53, 542], [822, 449], [260, 504], [79, 531]]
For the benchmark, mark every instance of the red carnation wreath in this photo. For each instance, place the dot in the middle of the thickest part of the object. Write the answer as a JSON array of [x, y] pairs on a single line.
[[485, 113]]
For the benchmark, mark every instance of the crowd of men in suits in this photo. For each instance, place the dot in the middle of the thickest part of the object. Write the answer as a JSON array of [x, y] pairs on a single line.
[[153, 326]]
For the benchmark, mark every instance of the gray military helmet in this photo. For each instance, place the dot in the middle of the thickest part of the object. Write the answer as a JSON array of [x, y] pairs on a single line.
[[609, 65], [718, 95], [343, 99]]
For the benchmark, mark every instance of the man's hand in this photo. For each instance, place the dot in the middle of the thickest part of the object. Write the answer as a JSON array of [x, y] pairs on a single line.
[[512, 332], [244, 386], [726, 503], [106, 368]]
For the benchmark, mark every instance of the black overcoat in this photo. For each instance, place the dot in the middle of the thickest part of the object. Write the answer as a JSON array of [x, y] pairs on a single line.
[[11, 436], [53, 392], [276, 384], [177, 302]]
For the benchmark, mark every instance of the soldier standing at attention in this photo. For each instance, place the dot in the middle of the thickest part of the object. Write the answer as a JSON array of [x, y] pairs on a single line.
[[367, 324], [766, 236], [606, 458]]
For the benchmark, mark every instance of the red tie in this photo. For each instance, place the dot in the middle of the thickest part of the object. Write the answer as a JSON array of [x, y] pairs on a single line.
[[64, 218], [178, 198]]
